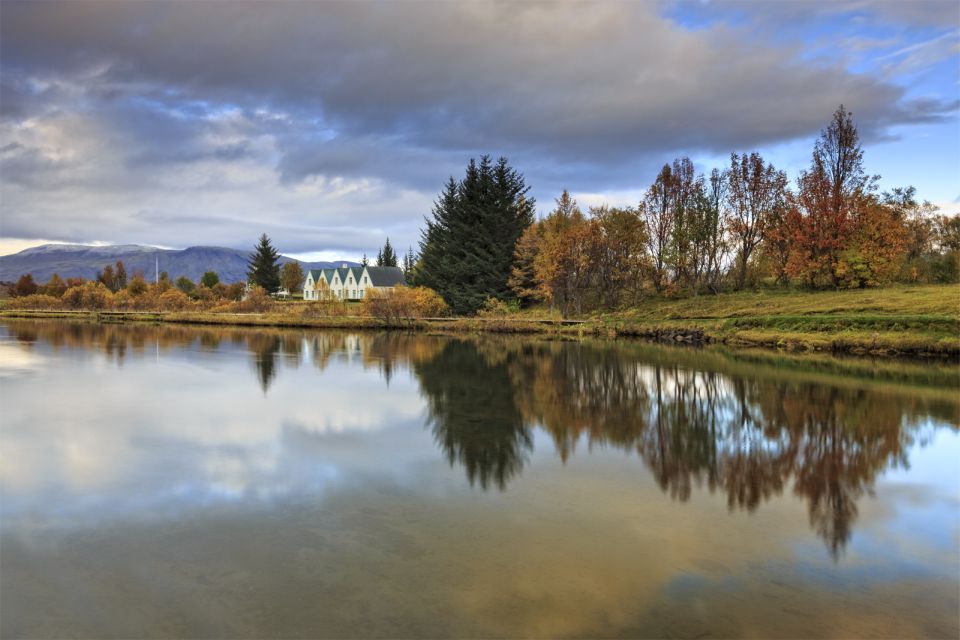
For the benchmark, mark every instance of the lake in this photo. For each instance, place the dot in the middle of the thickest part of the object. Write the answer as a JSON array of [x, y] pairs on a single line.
[[175, 481]]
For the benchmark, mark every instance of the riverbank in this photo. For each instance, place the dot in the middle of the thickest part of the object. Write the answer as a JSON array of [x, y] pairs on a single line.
[[913, 321]]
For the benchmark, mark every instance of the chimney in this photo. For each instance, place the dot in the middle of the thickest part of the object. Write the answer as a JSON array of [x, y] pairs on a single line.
[[343, 266]]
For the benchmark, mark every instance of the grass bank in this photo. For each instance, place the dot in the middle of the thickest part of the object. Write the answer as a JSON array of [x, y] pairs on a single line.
[[895, 321]]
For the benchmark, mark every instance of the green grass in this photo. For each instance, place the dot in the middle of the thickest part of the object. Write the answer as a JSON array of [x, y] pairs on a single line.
[[901, 319]]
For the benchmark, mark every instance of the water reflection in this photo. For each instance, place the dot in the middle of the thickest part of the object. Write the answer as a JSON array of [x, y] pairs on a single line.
[[748, 427], [473, 414]]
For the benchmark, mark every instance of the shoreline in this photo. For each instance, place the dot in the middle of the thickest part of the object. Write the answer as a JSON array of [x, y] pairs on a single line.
[[740, 334]]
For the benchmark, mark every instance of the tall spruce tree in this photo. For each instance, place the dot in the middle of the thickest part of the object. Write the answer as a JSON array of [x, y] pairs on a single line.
[[387, 257], [466, 251], [409, 260], [263, 269]]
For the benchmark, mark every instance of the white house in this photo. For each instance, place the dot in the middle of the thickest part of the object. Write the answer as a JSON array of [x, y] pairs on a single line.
[[349, 283]]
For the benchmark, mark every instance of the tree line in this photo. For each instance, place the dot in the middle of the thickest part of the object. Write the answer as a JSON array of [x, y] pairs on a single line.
[[692, 233]]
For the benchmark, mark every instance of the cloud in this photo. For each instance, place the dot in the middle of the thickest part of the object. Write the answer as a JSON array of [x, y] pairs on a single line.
[[354, 114]]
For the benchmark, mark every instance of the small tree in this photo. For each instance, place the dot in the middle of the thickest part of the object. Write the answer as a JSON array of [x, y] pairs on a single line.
[[210, 279], [120, 273], [387, 257], [108, 278], [292, 277], [263, 269], [185, 284], [55, 286], [138, 285], [25, 286]]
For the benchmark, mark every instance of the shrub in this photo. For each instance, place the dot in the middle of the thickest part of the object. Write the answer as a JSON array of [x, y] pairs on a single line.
[[257, 300], [324, 308], [404, 304], [493, 308], [185, 284], [89, 295], [36, 301], [174, 300], [137, 286], [235, 291]]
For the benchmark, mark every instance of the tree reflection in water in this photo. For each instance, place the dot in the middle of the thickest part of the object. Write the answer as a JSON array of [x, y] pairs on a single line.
[[745, 425], [472, 413], [749, 436]]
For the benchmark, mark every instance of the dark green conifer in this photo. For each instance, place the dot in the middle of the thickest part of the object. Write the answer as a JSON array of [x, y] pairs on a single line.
[[264, 269], [387, 257], [466, 251]]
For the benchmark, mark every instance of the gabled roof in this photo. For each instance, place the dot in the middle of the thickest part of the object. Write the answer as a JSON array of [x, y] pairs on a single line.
[[316, 273], [386, 276]]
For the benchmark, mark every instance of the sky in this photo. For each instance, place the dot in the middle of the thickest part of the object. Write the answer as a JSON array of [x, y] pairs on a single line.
[[331, 126]]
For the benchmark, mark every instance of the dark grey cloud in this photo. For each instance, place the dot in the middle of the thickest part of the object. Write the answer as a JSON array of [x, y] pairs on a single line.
[[353, 114]]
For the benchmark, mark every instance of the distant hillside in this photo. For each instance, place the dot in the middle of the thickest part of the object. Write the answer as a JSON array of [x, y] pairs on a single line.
[[75, 260]]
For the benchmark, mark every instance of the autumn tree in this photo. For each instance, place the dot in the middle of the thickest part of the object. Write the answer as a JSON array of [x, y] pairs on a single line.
[[523, 277], [617, 260], [137, 285], [292, 276], [55, 286], [25, 286], [684, 190], [756, 194], [263, 268], [707, 223], [120, 275], [108, 278], [560, 264], [658, 216], [783, 227], [830, 192], [877, 246]]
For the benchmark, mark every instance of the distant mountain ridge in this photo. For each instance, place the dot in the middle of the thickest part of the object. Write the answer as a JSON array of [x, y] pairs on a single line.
[[84, 261]]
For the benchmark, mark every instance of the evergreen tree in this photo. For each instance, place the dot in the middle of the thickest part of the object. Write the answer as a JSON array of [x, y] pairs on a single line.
[[210, 279], [387, 257], [263, 269], [467, 249], [365, 262], [409, 261]]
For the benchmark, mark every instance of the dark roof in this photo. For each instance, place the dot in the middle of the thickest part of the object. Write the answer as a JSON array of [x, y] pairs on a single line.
[[386, 276], [315, 273]]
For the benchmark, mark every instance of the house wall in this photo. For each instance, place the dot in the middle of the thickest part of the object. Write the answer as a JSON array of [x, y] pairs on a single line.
[[349, 289]]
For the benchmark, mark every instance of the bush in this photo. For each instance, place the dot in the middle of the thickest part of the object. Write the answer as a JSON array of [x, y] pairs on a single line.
[[404, 304], [325, 308], [493, 308], [174, 300], [137, 286], [89, 295], [257, 300], [36, 301]]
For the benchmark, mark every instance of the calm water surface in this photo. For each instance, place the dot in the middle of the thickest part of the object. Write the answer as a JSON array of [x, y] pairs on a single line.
[[198, 482]]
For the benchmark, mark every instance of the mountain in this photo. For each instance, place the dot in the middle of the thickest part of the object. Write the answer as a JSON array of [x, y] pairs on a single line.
[[77, 260]]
